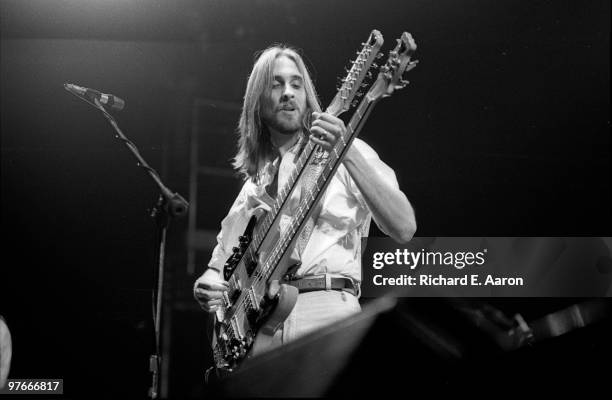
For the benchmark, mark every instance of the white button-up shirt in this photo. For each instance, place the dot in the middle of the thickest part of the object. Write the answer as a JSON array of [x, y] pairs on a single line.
[[341, 218]]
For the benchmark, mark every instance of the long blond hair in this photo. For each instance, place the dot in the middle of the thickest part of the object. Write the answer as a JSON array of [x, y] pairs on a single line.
[[254, 143]]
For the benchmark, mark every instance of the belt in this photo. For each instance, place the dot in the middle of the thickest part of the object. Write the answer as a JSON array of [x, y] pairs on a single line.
[[325, 282]]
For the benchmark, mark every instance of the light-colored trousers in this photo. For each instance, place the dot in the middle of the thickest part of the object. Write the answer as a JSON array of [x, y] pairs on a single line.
[[313, 311]]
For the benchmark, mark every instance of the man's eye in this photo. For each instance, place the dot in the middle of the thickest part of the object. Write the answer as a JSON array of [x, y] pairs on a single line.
[[276, 84], [296, 85]]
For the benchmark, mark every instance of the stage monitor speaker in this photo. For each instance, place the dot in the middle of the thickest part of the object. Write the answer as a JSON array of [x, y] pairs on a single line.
[[406, 345], [380, 345]]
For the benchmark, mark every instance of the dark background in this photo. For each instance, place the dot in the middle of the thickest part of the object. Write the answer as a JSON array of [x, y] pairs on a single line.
[[503, 131]]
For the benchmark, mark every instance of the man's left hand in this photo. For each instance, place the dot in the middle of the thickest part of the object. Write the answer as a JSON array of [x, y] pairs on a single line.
[[326, 130]]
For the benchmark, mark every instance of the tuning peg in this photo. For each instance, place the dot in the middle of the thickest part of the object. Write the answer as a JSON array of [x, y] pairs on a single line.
[[358, 94], [379, 56], [374, 65]]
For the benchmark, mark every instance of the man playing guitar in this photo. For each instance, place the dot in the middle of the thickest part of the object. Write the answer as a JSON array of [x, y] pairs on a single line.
[[280, 115]]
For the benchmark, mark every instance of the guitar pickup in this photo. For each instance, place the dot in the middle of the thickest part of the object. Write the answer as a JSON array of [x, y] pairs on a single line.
[[235, 285], [250, 265]]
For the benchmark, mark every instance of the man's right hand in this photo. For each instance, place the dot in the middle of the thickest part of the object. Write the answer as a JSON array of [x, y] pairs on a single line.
[[208, 290]]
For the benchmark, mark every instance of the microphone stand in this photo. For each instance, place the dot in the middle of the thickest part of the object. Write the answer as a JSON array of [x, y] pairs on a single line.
[[169, 205]]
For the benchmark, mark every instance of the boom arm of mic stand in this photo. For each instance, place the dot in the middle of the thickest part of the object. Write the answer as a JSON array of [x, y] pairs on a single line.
[[174, 203]]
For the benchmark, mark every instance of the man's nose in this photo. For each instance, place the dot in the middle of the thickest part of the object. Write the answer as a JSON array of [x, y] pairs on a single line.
[[288, 92]]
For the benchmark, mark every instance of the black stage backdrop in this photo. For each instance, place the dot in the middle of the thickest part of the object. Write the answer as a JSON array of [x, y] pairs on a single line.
[[503, 131]]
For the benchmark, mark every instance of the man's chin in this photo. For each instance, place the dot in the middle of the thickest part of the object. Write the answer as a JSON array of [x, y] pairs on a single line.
[[287, 127]]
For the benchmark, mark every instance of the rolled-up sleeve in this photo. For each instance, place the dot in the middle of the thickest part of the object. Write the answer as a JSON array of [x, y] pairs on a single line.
[[385, 172], [227, 235]]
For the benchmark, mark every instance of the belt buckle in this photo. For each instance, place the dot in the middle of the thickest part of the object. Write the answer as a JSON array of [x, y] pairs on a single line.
[[328, 282]]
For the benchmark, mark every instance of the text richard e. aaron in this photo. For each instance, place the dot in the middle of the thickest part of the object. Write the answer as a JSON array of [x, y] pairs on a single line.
[[455, 259]]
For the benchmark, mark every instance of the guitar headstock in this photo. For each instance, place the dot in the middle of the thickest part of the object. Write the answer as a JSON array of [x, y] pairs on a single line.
[[352, 82], [390, 75]]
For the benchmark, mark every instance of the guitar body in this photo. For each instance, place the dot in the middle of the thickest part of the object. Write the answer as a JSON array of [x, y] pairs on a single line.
[[269, 301], [283, 301]]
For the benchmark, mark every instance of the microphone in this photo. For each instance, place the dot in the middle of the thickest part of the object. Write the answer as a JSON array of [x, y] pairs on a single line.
[[110, 100]]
